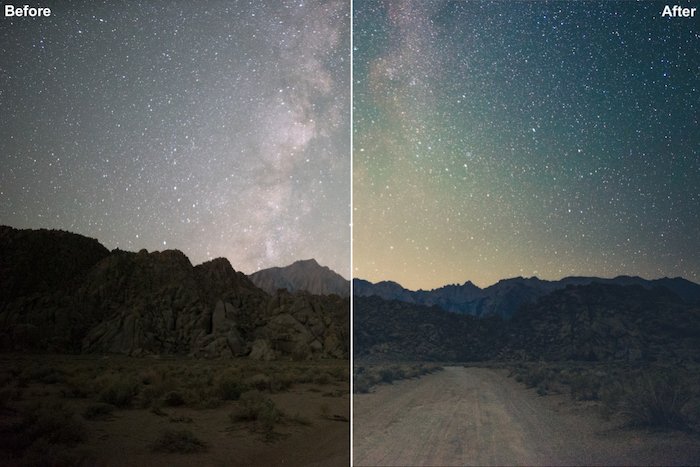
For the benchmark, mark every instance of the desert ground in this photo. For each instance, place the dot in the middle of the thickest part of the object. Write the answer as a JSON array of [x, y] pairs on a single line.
[[480, 416], [113, 411]]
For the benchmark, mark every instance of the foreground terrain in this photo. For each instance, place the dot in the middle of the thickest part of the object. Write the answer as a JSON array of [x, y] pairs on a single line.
[[479, 416], [95, 410]]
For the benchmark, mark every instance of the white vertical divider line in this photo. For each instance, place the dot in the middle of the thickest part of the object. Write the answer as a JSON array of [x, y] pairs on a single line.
[[352, 226]]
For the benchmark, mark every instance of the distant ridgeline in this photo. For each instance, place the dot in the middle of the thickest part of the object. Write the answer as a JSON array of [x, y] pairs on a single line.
[[62, 292], [507, 296], [577, 318]]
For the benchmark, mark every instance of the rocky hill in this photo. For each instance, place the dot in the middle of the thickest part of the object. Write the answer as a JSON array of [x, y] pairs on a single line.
[[306, 275], [596, 322], [395, 330], [602, 322], [62, 292], [507, 296]]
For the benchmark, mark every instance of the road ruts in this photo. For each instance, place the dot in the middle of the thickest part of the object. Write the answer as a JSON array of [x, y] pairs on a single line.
[[478, 416]]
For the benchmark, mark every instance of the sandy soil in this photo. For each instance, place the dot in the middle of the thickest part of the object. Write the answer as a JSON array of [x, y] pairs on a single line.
[[125, 439], [478, 416]]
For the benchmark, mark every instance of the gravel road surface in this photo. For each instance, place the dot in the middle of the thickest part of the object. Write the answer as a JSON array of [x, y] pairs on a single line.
[[479, 416]]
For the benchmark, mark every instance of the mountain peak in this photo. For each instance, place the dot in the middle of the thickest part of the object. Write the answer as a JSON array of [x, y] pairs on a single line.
[[308, 263], [305, 274]]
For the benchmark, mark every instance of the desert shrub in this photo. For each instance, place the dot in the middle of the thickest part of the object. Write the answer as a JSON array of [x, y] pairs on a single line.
[[173, 399], [585, 387], [386, 375], [151, 377], [42, 453], [366, 377], [255, 407], [98, 411], [341, 373], [259, 381], [428, 369], [46, 375], [300, 354], [308, 376], [268, 418], [334, 393], [150, 396], [180, 419], [251, 406], [156, 410], [362, 385], [76, 387], [54, 424], [399, 373], [535, 376], [180, 441], [413, 371], [282, 382], [231, 388], [322, 378], [119, 392], [207, 402], [655, 401]]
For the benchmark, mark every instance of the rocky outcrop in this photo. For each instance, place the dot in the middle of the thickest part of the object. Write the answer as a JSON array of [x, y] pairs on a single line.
[[44, 261], [154, 303], [602, 322], [594, 322], [306, 325], [395, 330]]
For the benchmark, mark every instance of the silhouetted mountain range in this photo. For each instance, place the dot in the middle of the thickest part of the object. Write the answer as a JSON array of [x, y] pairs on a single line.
[[305, 275], [63, 292], [506, 296]]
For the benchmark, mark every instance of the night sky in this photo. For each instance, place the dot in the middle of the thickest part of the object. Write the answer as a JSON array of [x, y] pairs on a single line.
[[219, 128], [503, 139]]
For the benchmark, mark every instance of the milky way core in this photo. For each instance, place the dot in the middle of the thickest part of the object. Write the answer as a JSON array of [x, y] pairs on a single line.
[[217, 128]]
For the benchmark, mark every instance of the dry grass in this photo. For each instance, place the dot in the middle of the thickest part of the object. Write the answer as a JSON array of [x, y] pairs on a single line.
[[367, 376], [654, 396], [84, 397], [180, 441]]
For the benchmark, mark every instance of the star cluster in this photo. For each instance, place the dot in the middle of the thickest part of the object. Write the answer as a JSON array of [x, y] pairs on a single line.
[[500, 139], [217, 128]]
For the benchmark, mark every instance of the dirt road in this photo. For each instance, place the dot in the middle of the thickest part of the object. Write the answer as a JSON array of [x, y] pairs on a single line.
[[477, 416]]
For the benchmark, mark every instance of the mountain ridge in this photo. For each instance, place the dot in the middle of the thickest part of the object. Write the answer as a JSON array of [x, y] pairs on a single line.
[[66, 293], [507, 295]]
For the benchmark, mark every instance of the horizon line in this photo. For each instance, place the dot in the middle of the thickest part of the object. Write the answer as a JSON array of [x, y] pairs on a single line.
[[524, 278]]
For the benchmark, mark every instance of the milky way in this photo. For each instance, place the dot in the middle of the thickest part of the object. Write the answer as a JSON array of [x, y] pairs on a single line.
[[500, 139], [218, 128]]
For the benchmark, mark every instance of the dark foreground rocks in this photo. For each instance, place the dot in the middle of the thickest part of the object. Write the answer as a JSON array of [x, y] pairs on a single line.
[[62, 292]]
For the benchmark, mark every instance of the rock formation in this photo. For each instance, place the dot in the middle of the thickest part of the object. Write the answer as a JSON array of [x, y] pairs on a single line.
[[62, 292], [593, 322]]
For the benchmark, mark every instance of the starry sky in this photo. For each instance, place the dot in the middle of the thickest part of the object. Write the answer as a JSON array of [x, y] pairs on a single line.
[[502, 139], [220, 128]]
